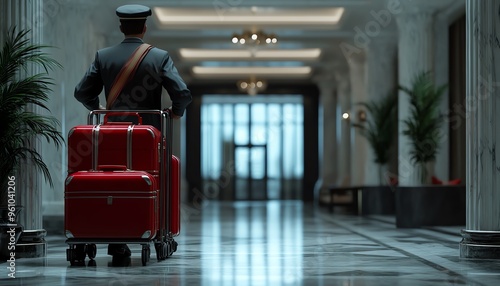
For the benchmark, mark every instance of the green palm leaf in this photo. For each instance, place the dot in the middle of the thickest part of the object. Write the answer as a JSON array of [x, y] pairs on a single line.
[[425, 121], [18, 91], [381, 125]]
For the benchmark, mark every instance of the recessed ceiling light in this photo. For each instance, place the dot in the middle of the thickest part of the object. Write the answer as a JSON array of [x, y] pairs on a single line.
[[275, 54], [173, 17], [254, 71]]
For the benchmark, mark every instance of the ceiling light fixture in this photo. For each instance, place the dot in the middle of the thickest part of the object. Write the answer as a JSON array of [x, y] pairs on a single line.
[[169, 17], [235, 72], [274, 54], [254, 38], [252, 86]]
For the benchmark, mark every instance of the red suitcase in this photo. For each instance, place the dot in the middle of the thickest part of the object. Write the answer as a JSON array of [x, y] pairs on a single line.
[[111, 204], [114, 143]]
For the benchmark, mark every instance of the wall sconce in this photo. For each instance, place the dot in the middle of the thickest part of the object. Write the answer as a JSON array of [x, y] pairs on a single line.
[[252, 87], [345, 115], [361, 115], [254, 38]]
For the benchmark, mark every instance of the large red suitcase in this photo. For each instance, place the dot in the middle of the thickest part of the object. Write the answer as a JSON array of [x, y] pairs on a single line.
[[111, 204], [114, 143]]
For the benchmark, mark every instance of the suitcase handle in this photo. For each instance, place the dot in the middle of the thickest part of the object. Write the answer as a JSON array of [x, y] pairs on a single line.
[[111, 168], [112, 114], [119, 123]]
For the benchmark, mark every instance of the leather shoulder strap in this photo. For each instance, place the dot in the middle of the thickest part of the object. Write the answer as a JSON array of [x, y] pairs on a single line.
[[126, 73]]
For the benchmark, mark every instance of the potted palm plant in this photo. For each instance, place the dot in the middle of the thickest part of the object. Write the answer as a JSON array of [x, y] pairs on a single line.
[[424, 204], [18, 125], [379, 128], [423, 127]]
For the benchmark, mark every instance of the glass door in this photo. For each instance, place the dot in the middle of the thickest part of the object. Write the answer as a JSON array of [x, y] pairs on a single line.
[[252, 147], [251, 172]]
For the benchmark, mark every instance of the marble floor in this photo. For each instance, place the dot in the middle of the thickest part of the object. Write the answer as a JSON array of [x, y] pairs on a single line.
[[274, 243]]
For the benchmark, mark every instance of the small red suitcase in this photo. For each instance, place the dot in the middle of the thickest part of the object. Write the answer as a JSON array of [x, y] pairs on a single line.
[[114, 143], [111, 204]]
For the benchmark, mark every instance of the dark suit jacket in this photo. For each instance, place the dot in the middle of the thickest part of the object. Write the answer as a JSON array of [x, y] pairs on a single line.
[[144, 90]]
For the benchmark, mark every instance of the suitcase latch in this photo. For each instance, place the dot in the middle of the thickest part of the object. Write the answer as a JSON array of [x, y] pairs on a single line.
[[110, 200]]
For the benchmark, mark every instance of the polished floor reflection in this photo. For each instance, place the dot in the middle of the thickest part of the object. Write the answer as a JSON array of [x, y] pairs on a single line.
[[275, 243]]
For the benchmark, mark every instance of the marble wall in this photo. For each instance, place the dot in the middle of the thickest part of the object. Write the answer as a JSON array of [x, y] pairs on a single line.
[[415, 55], [381, 80], [344, 128], [360, 147], [327, 133]]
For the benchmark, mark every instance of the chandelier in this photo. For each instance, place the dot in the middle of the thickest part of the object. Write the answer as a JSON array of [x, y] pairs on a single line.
[[254, 38], [252, 86]]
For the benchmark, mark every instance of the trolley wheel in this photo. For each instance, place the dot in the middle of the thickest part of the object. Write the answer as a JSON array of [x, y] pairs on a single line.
[[159, 251], [74, 254], [145, 254], [91, 250], [80, 252], [170, 249], [174, 245], [166, 250], [70, 255]]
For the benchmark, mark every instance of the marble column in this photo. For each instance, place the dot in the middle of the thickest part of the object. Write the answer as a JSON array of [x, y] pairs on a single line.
[[415, 55], [327, 147], [481, 238], [360, 146], [28, 15], [381, 80], [343, 92]]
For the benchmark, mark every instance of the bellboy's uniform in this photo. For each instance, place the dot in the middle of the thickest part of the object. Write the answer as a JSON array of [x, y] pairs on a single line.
[[143, 91]]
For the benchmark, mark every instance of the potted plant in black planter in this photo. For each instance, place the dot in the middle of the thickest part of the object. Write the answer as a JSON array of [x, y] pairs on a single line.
[[18, 125], [424, 203], [379, 128]]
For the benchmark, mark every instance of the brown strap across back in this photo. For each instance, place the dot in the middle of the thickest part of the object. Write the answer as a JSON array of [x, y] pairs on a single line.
[[126, 73]]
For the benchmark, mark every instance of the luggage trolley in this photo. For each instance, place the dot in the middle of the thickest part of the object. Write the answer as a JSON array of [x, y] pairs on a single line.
[[114, 202]]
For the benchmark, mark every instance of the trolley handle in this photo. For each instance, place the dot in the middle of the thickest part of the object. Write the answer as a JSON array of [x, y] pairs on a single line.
[[94, 115], [116, 114], [111, 168]]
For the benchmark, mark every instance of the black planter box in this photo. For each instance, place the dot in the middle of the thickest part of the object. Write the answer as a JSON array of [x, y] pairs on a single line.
[[377, 200], [364, 200], [433, 205]]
